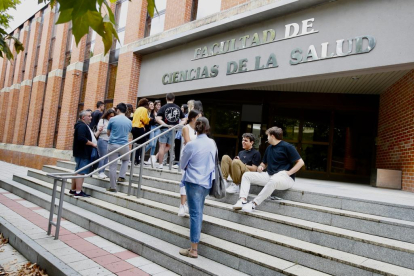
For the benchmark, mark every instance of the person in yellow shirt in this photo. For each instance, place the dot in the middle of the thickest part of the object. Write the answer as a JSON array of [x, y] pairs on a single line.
[[139, 121]]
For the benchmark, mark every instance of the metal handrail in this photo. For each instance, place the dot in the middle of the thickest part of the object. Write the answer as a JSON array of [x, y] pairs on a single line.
[[63, 177], [105, 156]]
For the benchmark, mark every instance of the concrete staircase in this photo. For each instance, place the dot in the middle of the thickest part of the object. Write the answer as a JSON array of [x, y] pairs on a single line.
[[304, 234]]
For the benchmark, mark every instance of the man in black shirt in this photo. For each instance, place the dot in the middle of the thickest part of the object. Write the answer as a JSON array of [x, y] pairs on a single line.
[[168, 116], [281, 160], [247, 161], [97, 114]]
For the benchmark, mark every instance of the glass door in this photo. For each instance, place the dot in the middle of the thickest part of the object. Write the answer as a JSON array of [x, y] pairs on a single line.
[[309, 131]]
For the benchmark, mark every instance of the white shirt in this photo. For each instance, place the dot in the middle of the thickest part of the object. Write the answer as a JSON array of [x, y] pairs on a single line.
[[192, 133], [93, 136]]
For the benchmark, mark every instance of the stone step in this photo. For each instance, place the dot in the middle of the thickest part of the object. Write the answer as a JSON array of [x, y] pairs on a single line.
[[376, 208], [369, 224], [342, 240], [239, 259], [318, 257]]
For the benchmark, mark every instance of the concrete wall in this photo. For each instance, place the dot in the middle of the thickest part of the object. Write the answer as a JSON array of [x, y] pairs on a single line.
[[333, 21]]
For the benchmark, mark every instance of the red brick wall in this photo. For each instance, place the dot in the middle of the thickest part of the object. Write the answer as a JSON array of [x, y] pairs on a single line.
[[227, 4], [395, 146], [51, 101], [178, 12], [26, 159], [14, 93], [129, 64], [70, 99], [36, 98]]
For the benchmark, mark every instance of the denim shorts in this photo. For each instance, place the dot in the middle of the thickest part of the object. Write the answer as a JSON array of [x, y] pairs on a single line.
[[82, 162], [166, 138]]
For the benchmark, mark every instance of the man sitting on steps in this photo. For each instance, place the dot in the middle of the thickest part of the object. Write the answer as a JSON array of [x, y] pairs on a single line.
[[281, 160], [247, 161]]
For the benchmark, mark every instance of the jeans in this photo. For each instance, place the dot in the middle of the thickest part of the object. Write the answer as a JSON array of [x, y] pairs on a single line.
[[137, 132], [279, 181], [196, 195], [102, 150], [113, 166], [153, 144]]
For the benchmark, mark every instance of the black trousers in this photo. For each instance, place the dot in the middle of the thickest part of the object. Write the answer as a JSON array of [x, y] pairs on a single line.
[[137, 132], [177, 149]]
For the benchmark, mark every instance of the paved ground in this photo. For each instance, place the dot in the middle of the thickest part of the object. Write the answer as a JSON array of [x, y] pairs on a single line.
[[85, 252]]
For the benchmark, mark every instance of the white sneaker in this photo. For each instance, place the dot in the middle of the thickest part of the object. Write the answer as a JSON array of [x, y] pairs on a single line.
[[181, 211], [226, 184], [148, 162], [239, 205], [102, 175], [233, 189], [186, 207], [153, 161], [249, 207], [160, 167], [175, 166]]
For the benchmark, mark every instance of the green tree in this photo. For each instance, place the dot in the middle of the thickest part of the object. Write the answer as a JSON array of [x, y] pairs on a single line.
[[5, 38], [84, 14]]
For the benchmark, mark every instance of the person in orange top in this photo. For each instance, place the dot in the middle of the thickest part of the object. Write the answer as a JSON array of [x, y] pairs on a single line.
[[139, 121]]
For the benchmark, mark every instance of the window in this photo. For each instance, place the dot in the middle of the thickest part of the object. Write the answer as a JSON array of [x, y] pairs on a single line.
[[203, 8], [90, 44], [121, 13], [156, 24]]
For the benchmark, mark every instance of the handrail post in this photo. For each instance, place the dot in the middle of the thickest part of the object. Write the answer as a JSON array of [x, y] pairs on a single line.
[[131, 169], [59, 215], [141, 166], [52, 207], [173, 133]]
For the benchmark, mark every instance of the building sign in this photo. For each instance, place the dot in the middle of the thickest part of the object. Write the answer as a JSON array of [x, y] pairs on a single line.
[[352, 46]]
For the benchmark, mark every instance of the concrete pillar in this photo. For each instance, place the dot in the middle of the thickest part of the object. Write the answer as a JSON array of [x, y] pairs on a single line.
[[39, 81]]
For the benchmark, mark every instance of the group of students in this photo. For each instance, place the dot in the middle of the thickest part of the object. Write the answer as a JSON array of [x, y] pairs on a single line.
[[275, 171]]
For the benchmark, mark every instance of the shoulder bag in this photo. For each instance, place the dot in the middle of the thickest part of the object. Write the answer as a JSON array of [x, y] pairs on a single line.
[[218, 188]]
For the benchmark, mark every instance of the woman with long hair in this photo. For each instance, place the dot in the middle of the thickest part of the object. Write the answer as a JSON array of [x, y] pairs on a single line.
[[103, 139], [198, 163], [139, 121], [188, 134], [153, 123], [130, 112]]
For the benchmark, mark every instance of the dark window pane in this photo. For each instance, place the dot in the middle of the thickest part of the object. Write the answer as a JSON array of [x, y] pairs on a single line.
[[316, 126], [84, 83], [315, 157], [226, 121], [289, 121]]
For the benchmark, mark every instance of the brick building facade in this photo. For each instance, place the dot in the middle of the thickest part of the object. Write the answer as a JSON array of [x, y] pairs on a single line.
[[48, 83]]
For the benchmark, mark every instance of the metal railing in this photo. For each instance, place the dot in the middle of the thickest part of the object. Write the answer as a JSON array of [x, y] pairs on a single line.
[[63, 177]]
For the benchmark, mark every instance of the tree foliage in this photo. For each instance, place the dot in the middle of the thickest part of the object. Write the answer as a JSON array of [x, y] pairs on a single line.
[[5, 38], [84, 14]]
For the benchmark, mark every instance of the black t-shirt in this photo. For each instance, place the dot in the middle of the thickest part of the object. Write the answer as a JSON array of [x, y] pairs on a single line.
[[96, 115], [171, 114], [280, 157], [250, 157]]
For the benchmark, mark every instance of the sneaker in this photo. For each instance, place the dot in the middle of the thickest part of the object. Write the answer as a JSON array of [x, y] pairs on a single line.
[[72, 192], [175, 166], [148, 162], [112, 190], [102, 175], [160, 167], [233, 189], [226, 184], [186, 208], [249, 207], [121, 179], [81, 194], [239, 205], [153, 161], [181, 211]]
